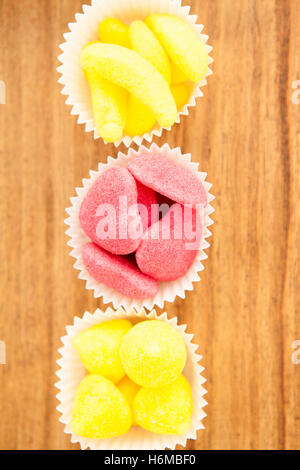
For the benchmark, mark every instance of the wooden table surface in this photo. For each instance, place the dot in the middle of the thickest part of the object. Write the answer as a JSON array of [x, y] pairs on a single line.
[[245, 133]]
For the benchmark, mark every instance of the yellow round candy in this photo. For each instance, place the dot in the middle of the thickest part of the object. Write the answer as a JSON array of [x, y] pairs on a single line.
[[181, 95], [114, 31], [167, 410], [182, 44], [145, 43], [153, 354], [140, 118], [129, 390], [127, 69], [99, 346], [100, 411]]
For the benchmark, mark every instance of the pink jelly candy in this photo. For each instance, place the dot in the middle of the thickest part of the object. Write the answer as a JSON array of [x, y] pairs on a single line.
[[118, 272], [148, 206], [109, 213], [169, 178], [169, 247]]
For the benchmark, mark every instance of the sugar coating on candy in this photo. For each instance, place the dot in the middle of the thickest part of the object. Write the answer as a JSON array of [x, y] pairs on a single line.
[[167, 410], [145, 43], [182, 44], [110, 104], [129, 390], [153, 354], [148, 206], [169, 178], [127, 69], [117, 272], [181, 93], [99, 346], [114, 31], [140, 118], [170, 246], [100, 411], [109, 213]]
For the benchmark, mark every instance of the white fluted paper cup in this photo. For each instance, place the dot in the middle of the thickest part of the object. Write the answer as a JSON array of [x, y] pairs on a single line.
[[167, 290], [85, 29], [71, 372]]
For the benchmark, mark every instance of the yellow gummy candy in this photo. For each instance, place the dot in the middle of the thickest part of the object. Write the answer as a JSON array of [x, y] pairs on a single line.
[[182, 44], [99, 346], [140, 118], [145, 43], [100, 411], [181, 94], [176, 75], [153, 354], [129, 390], [167, 410], [129, 70], [114, 31], [109, 106]]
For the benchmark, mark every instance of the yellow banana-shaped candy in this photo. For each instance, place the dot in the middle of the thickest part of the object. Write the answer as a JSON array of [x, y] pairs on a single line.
[[182, 44], [109, 106], [145, 43], [181, 94], [114, 31], [127, 69], [140, 118], [177, 76]]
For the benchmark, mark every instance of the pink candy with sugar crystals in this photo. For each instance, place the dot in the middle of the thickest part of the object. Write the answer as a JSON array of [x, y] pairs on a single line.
[[147, 199], [118, 272], [169, 178], [109, 213], [170, 246], [124, 199]]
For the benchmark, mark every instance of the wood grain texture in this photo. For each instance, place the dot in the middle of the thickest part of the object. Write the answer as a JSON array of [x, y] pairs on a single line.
[[245, 133]]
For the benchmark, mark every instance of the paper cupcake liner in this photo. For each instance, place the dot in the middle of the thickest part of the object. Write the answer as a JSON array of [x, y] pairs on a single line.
[[72, 371], [85, 29], [167, 290]]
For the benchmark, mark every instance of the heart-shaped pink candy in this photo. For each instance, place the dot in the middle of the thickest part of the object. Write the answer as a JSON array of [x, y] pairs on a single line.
[[169, 178], [118, 272], [109, 213], [169, 247]]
